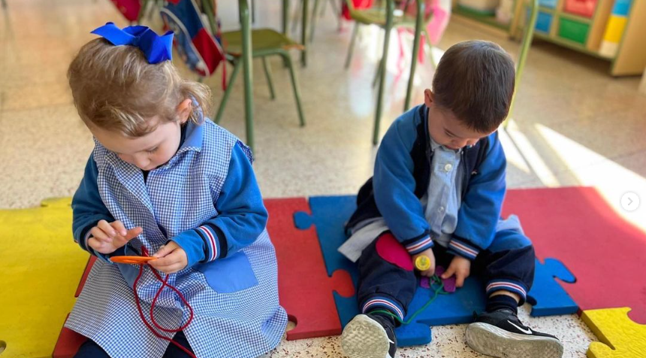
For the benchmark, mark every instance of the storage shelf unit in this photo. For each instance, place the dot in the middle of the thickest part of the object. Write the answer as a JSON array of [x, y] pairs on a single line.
[[581, 28], [484, 18]]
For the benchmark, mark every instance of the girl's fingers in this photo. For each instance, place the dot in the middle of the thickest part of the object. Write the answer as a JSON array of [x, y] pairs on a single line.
[[118, 226], [132, 233], [99, 234], [107, 229], [164, 251]]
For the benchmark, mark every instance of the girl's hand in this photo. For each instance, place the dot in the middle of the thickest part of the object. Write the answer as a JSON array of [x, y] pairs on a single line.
[[459, 266], [171, 258], [107, 237]]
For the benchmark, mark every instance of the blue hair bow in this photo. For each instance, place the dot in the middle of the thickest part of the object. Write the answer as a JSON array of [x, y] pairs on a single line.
[[156, 48]]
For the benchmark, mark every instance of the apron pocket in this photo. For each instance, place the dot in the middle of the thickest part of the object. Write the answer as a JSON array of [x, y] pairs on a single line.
[[230, 274]]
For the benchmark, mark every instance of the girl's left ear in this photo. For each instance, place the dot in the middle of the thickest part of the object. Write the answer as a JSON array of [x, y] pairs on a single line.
[[429, 97], [184, 110]]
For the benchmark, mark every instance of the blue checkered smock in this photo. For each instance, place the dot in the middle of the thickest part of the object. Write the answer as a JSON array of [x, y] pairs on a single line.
[[207, 200]]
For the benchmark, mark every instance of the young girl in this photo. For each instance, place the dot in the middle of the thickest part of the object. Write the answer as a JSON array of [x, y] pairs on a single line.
[[164, 181]]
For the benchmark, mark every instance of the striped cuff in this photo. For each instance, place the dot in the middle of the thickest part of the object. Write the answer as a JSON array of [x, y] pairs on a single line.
[[214, 240], [461, 248], [83, 244], [83, 241], [380, 302], [418, 245], [511, 286]]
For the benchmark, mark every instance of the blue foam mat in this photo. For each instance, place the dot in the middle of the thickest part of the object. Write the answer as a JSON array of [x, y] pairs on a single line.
[[329, 214]]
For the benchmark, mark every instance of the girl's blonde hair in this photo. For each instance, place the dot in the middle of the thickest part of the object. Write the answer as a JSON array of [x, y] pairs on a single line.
[[116, 89]]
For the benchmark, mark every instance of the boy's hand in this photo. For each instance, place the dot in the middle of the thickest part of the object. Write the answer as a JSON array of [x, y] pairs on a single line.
[[107, 237], [459, 266], [171, 258], [428, 253]]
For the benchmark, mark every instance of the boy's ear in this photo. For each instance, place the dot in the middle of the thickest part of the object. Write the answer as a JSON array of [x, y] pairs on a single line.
[[184, 110], [429, 97]]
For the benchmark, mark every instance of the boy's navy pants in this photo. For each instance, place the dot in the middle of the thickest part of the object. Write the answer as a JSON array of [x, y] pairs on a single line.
[[387, 279]]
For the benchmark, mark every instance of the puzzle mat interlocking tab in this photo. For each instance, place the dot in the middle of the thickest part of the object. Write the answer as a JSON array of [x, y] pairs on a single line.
[[619, 336]]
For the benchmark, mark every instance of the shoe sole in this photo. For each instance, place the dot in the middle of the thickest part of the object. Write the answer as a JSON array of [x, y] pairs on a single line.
[[493, 341], [364, 337]]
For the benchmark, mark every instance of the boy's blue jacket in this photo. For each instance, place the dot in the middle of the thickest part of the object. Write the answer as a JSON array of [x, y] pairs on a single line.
[[401, 178]]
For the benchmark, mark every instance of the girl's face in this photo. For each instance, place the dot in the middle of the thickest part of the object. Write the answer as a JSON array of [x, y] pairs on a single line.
[[152, 150], [446, 129], [148, 152]]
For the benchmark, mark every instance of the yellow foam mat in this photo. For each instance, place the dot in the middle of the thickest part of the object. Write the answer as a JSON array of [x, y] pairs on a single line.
[[41, 268], [619, 335]]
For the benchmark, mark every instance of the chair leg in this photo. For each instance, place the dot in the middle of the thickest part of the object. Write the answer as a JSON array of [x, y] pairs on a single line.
[[297, 95], [285, 17], [142, 10], [152, 10], [236, 68], [375, 80], [313, 24], [390, 9], [430, 50], [337, 12], [268, 75], [413, 65], [355, 32], [296, 16]]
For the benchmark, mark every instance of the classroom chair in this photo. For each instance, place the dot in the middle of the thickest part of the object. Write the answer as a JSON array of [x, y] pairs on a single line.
[[265, 43]]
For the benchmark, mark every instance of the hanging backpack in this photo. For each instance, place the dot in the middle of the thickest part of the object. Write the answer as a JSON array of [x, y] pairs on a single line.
[[129, 8], [197, 47]]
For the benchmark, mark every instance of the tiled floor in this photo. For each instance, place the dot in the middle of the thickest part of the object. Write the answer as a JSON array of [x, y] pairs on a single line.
[[572, 125]]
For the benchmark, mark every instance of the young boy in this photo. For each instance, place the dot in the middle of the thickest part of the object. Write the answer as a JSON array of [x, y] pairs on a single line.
[[437, 191]]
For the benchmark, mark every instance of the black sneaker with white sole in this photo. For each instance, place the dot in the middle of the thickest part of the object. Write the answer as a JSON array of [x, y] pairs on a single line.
[[369, 336], [501, 334]]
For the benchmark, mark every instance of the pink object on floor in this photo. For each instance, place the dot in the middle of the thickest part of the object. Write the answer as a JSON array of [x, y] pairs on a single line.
[[392, 251]]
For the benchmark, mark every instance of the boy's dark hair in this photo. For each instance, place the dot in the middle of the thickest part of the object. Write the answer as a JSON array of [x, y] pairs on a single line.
[[475, 80]]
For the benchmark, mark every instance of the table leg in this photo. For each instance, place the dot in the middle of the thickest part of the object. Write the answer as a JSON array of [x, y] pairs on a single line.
[[285, 17], [245, 26]]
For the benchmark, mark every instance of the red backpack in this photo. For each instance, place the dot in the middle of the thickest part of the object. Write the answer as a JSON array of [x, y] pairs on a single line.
[[129, 8], [197, 47]]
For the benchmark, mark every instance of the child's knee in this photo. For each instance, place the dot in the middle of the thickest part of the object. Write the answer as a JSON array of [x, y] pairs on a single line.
[[392, 251]]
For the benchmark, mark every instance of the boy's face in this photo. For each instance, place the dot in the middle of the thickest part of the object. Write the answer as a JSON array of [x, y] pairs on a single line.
[[446, 129], [150, 151]]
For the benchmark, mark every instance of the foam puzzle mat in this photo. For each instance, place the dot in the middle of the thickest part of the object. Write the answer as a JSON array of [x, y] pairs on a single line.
[[41, 268], [568, 227], [619, 336]]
